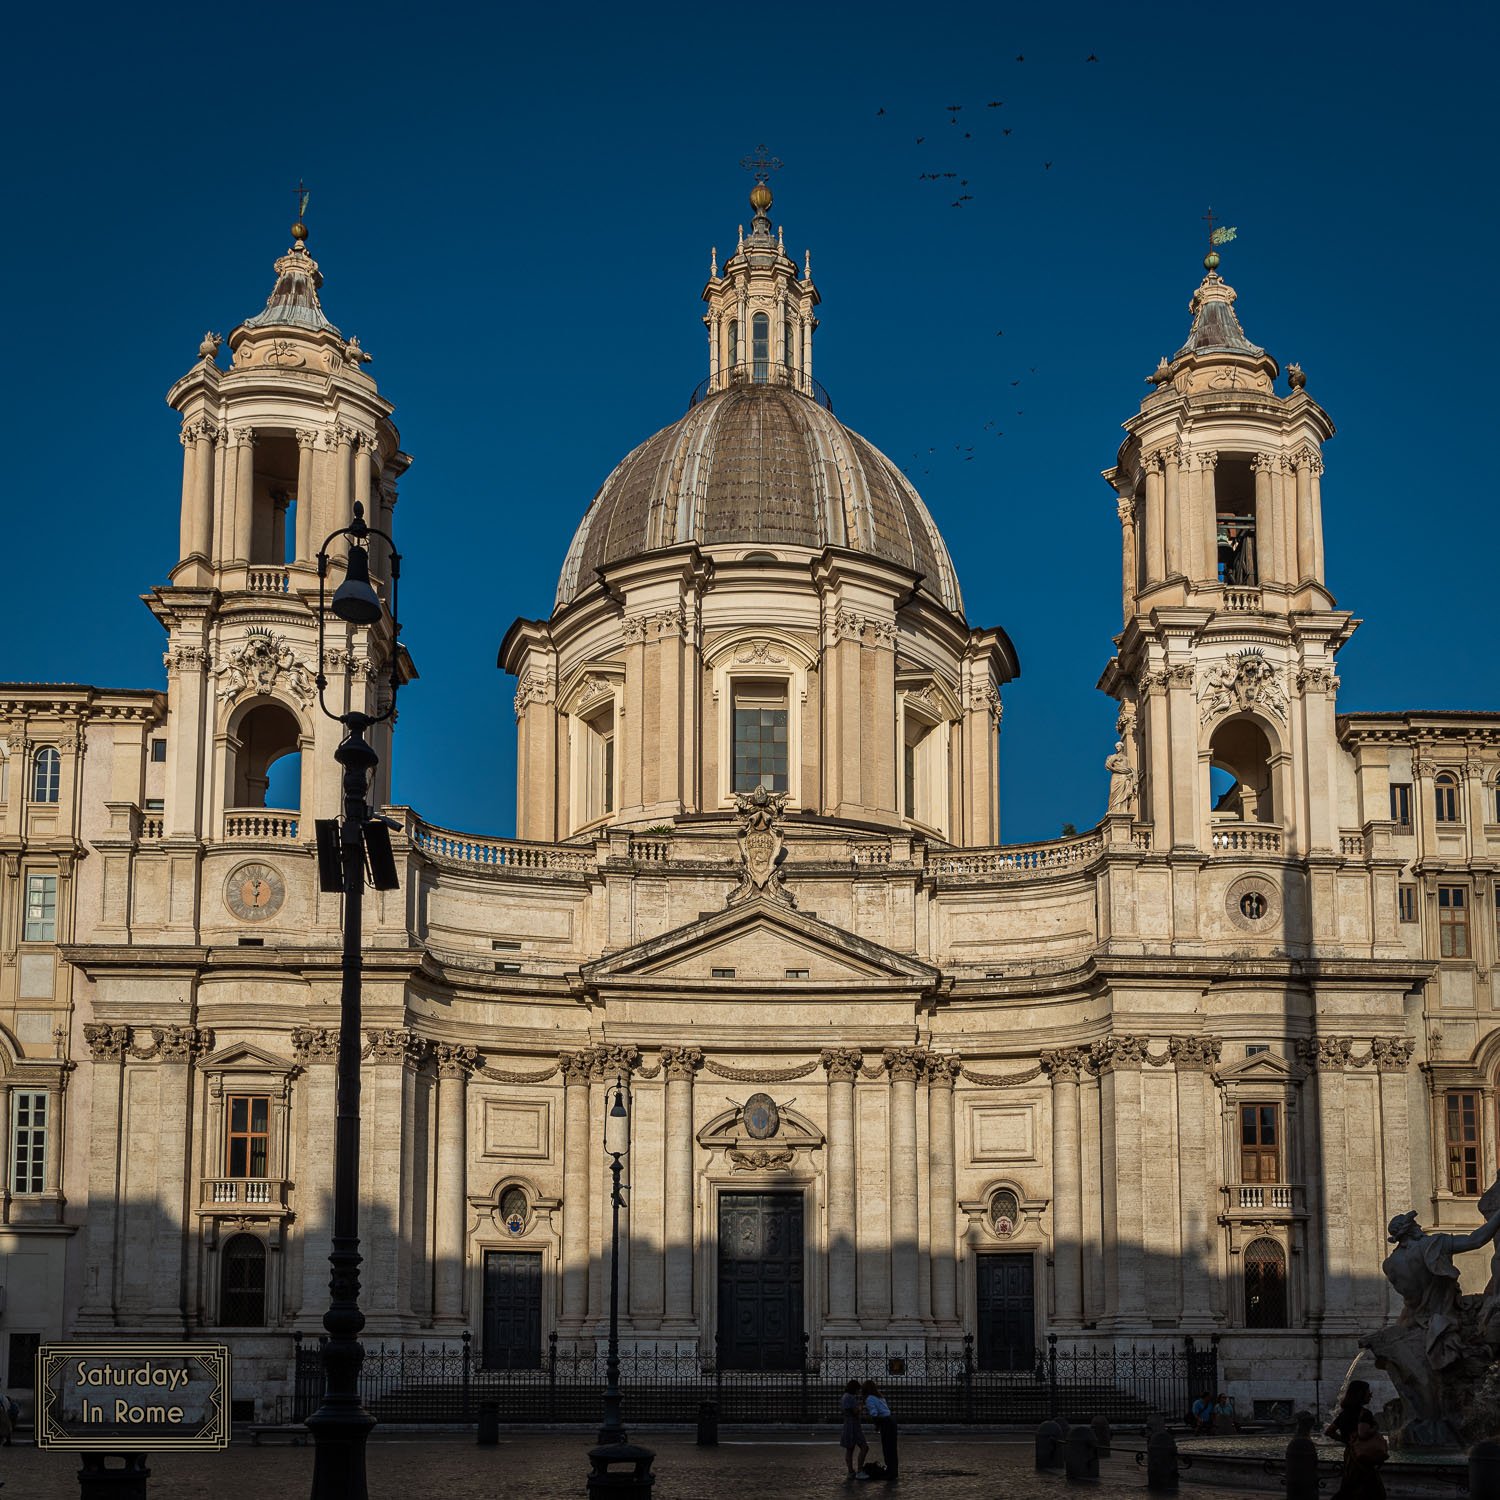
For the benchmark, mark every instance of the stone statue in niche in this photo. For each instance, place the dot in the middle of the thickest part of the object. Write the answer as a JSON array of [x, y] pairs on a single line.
[[1441, 1352], [762, 846]]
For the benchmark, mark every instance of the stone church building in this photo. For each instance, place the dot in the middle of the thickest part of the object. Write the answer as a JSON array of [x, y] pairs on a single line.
[[892, 1080]]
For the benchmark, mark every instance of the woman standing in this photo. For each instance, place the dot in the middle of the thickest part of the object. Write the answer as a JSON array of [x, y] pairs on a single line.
[[853, 1435], [885, 1424]]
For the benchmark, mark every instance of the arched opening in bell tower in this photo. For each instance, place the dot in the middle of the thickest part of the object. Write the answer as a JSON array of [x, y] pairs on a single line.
[[1240, 772], [1235, 521], [266, 737]]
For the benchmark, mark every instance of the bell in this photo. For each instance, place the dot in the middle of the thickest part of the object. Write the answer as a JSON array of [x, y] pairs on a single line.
[[354, 600]]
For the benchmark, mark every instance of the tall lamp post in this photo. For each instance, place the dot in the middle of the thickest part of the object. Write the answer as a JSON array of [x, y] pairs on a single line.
[[614, 1447], [347, 847]]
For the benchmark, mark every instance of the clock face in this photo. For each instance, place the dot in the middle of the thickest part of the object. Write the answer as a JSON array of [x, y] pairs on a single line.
[[254, 892]]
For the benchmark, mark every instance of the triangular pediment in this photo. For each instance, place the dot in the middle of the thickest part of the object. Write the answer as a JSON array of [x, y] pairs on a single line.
[[244, 1057], [760, 940], [1267, 1067]]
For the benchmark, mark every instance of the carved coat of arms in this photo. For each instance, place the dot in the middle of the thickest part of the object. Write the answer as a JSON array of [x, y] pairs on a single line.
[[762, 847]]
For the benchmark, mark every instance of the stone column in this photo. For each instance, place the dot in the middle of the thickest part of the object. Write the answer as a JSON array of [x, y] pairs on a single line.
[[244, 494], [1172, 532], [204, 434], [679, 1064], [576, 1067], [1392, 1055], [1327, 1057], [1267, 565], [1182, 717], [1208, 517], [1129, 567], [1307, 565], [1193, 1056], [942, 1188], [307, 543], [1155, 525], [189, 493], [316, 1048], [903, 1064], [344, 437], [1067, 1188], [174, 1050], [1119, 1059], [1315, 488], [363, 459], [454, 1065], [842, 1064], [106, 1046]]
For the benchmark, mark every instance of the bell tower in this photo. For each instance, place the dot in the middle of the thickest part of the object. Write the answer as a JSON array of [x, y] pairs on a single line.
[[277, 448], [1225, 666]]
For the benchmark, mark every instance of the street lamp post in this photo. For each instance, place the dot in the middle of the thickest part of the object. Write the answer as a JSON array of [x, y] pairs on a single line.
[[346, 847], [614, 1447]]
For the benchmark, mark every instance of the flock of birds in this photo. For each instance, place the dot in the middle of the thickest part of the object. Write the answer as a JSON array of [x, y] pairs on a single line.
[[966, 123]]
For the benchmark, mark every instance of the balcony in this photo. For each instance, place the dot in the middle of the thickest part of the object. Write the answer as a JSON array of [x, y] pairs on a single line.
[[256, 1195], [269, 581], [261, 825], [1245, 838], [1238, 600], [1263, 1195]]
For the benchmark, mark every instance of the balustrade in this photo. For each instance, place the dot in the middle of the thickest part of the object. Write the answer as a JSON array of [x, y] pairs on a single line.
[[1246, 838], [261, 825], [255, 1192], [270, 581]]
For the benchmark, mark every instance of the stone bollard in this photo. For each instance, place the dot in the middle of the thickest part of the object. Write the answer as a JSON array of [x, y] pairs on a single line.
[[708, 1425], [1302, 1461], [1049, 1444], [489, 1424], [1161, 1461], [1081, 1455], [1484, 1471], [1102, 1434], [97, 1481]]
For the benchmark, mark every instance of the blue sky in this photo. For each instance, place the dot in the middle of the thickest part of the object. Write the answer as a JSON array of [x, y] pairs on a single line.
[[513, 210]]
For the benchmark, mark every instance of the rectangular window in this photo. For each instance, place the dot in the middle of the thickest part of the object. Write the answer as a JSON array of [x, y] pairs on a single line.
[[41, 908], [1463, 1142], [20, 1363], [1401, 804], [1406, 903], [760, 737], [159, 751], [1445, 796], [722, 973], [1453, 921], [249, 1145], [909, 779], [799, 973], [1260, 1143], [609, 773], [28, 1141]]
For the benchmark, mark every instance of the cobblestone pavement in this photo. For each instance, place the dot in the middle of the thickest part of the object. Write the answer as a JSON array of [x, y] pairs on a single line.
[[782, 1465]]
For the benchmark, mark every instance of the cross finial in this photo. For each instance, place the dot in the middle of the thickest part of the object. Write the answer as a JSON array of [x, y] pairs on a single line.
[[1210, 220], [761, 164]]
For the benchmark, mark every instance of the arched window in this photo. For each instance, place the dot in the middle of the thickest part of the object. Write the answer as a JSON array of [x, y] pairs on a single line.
[[1445, 792], [46, 775], [734, 342], [789, 345], [1240, 772], [242, 1283], [1005, 1212], [1265, 1285], [760, 347], [267, 734], [513, 1209]]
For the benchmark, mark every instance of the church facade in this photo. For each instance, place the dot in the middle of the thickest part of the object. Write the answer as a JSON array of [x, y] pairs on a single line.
[[892, 1082]]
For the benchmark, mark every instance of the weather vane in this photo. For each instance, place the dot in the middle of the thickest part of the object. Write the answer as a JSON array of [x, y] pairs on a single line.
[[1216, 237], [761, 164], [301, 194]]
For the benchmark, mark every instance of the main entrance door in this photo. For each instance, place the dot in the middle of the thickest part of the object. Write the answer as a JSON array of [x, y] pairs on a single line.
[[512, 1309], [760, 1281], [1007, 1312]]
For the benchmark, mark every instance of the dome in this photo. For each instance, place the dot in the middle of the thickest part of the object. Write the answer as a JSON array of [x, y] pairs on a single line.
[[759, 464]]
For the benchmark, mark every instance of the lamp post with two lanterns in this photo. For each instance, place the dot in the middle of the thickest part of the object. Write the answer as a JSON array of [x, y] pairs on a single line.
[[348, 847]]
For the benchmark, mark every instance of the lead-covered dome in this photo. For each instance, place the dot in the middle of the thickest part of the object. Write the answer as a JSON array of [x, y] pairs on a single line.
[[759, 465]]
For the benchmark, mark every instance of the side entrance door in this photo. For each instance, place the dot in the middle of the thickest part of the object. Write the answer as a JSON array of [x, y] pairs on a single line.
[[512, 1309], [760, 1281], [1007, 1312]]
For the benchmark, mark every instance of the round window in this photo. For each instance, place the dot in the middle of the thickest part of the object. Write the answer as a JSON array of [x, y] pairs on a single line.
[[513, 1209], [1253, 904], [1005, 1209]]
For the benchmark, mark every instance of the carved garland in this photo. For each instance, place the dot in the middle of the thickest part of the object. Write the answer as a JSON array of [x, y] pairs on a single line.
[[503, 1075], [760, 1075]]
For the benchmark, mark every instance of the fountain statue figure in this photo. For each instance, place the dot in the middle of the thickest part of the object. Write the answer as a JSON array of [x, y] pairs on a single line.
[[1441, 1351]]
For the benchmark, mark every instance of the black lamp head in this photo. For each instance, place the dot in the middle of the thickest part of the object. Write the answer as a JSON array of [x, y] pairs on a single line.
[[354, 601]]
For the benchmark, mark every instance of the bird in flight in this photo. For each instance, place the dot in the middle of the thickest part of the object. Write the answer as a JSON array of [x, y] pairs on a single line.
[[881, 110], [1020, 57], [1046, 166], [999, 333], [920, 139], [1007, 132], [1091, 58], [994, 103], [953, 109], [1015, 382]]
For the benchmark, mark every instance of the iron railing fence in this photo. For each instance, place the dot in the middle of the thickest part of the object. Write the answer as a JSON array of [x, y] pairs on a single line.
[[448, 1384]]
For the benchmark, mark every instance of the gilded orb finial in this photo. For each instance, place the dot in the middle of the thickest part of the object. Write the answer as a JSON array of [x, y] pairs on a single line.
[[1211, 261], [299, 232], [299, 228], [760, 197]]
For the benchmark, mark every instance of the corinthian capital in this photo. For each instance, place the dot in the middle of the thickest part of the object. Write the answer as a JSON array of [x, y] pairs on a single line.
[[1064, 1064], [455, 1060], [842, 1063], [902, 1063], [106, 1043], [681, 1062]]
